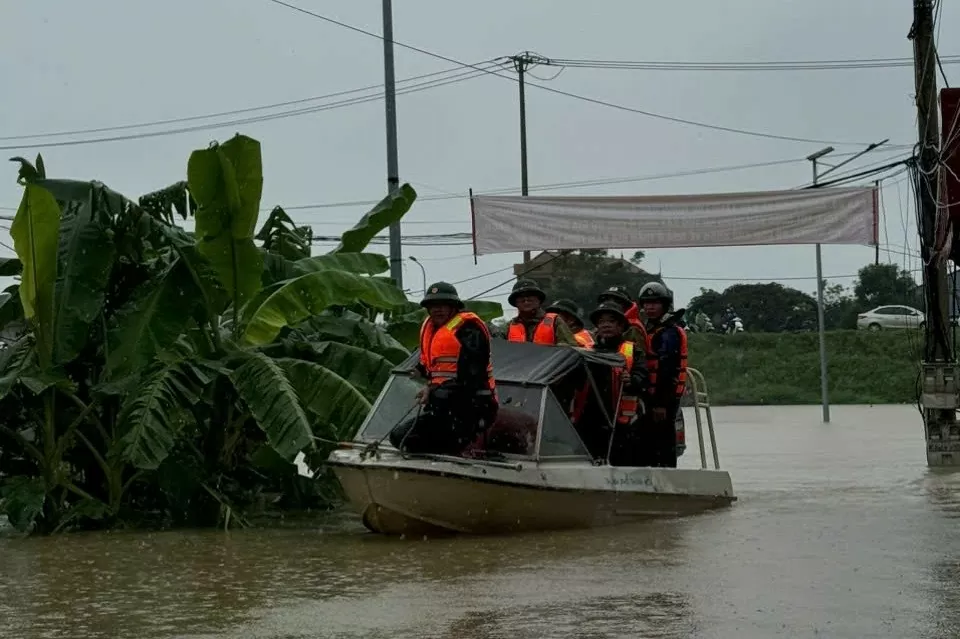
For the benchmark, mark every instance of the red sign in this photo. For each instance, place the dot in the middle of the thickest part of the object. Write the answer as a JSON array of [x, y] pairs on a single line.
[[950, 153]]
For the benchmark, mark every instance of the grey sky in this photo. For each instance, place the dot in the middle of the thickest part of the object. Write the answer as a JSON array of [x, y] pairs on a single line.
[[71, 65]]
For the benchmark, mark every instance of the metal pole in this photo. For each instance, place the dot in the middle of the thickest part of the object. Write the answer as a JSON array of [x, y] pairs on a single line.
[[423, 271], [821, 325], [393, 172], [521, 62]]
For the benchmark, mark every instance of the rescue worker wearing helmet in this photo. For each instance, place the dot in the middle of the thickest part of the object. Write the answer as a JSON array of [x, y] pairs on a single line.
[[625, 385], [667, 370], [532, 324], [460, 399], [636, 332], [570, 314]]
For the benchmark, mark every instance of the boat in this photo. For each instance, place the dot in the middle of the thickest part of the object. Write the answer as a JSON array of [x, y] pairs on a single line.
[[535, 472]]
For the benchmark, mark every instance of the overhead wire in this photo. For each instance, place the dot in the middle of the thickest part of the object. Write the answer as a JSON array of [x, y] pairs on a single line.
[[232, 112], [767, 65], [561, 185], [569, 94], [422, 86]]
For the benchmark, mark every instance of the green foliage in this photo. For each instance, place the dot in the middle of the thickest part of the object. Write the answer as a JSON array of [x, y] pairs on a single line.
[[770, 307], [882, 284], [389, 210], [35, 231], [775, 308], [152, 375], [783, 368], [583, 275]]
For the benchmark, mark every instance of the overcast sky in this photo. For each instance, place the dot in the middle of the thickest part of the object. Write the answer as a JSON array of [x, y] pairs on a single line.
[[69, 66]]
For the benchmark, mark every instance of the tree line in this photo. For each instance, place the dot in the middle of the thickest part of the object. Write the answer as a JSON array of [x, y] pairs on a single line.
[[768, 307]]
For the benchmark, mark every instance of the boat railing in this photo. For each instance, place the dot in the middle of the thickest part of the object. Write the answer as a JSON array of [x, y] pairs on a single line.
[[697, 386]]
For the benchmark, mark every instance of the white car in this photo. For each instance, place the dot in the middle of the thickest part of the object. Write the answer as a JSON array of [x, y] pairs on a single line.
[[890, 317]]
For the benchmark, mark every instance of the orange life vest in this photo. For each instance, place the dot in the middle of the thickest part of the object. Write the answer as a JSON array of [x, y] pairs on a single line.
[[629, 404], [653, 362], [584, 338], [440, 349], [545, 333]]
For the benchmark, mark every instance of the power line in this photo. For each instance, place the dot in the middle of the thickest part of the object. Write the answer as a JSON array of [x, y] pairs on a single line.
[[576, 96], [770, 65], [431, 84], [220, 114], [561, 185]]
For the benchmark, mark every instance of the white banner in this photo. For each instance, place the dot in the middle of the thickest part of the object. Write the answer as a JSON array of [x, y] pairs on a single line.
[[807, 216]]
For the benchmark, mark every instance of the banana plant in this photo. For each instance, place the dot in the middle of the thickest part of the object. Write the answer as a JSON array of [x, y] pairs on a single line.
[[157, 368]]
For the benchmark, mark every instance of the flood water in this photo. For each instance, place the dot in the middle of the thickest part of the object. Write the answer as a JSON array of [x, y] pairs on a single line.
[[841, 531]]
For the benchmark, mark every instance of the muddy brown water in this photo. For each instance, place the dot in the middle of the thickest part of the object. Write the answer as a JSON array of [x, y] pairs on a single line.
[[841, 531]]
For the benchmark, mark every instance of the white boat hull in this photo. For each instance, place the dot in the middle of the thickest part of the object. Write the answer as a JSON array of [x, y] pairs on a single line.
[[421, 496]]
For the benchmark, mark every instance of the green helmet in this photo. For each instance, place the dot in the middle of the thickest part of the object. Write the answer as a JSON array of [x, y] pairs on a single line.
[[609, 308], [566, 306], [526, 287], [656, 292], [618, 293], [441, 292]]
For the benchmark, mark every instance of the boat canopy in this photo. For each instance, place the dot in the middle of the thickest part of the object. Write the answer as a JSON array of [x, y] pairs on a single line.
[[533, 364]]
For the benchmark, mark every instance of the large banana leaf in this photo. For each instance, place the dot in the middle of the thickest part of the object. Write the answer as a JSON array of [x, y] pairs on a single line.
[[226, 180], [204, 276], [167, 202], [21, 500], [11, 308], [237, 263], [10, 266], [274, 404], [14, 360], [281, 236], [336, 405], [152, 320], [85, 260], [352, 329], [312, 294], [390, 209], [153, 415], [365, 370], [359, 263], [35, 230]]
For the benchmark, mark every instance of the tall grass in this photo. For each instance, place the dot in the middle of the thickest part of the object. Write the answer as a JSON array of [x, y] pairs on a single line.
[[784, 368]]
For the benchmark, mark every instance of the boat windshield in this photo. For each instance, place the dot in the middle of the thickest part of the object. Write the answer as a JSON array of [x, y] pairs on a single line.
[[397, 402], [519, 430]]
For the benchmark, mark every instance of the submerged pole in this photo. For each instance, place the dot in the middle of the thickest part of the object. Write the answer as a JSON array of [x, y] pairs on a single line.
[[939, 370], [821, 321]]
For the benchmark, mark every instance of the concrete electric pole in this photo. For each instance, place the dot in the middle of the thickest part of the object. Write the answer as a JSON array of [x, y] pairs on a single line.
[[390, 107], [939, 397], [521, 62]]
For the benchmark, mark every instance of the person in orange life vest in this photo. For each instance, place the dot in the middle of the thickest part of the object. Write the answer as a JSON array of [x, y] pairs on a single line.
[[627, 383], [570, 314], [575, 392], [531, 324], [636, 332], [459, 401], [667, 366]]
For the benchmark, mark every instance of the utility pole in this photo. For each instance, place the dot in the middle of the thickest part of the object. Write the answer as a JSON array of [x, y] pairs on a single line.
[[939, 396], [821, 323], [390, 107], [521, 62]]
